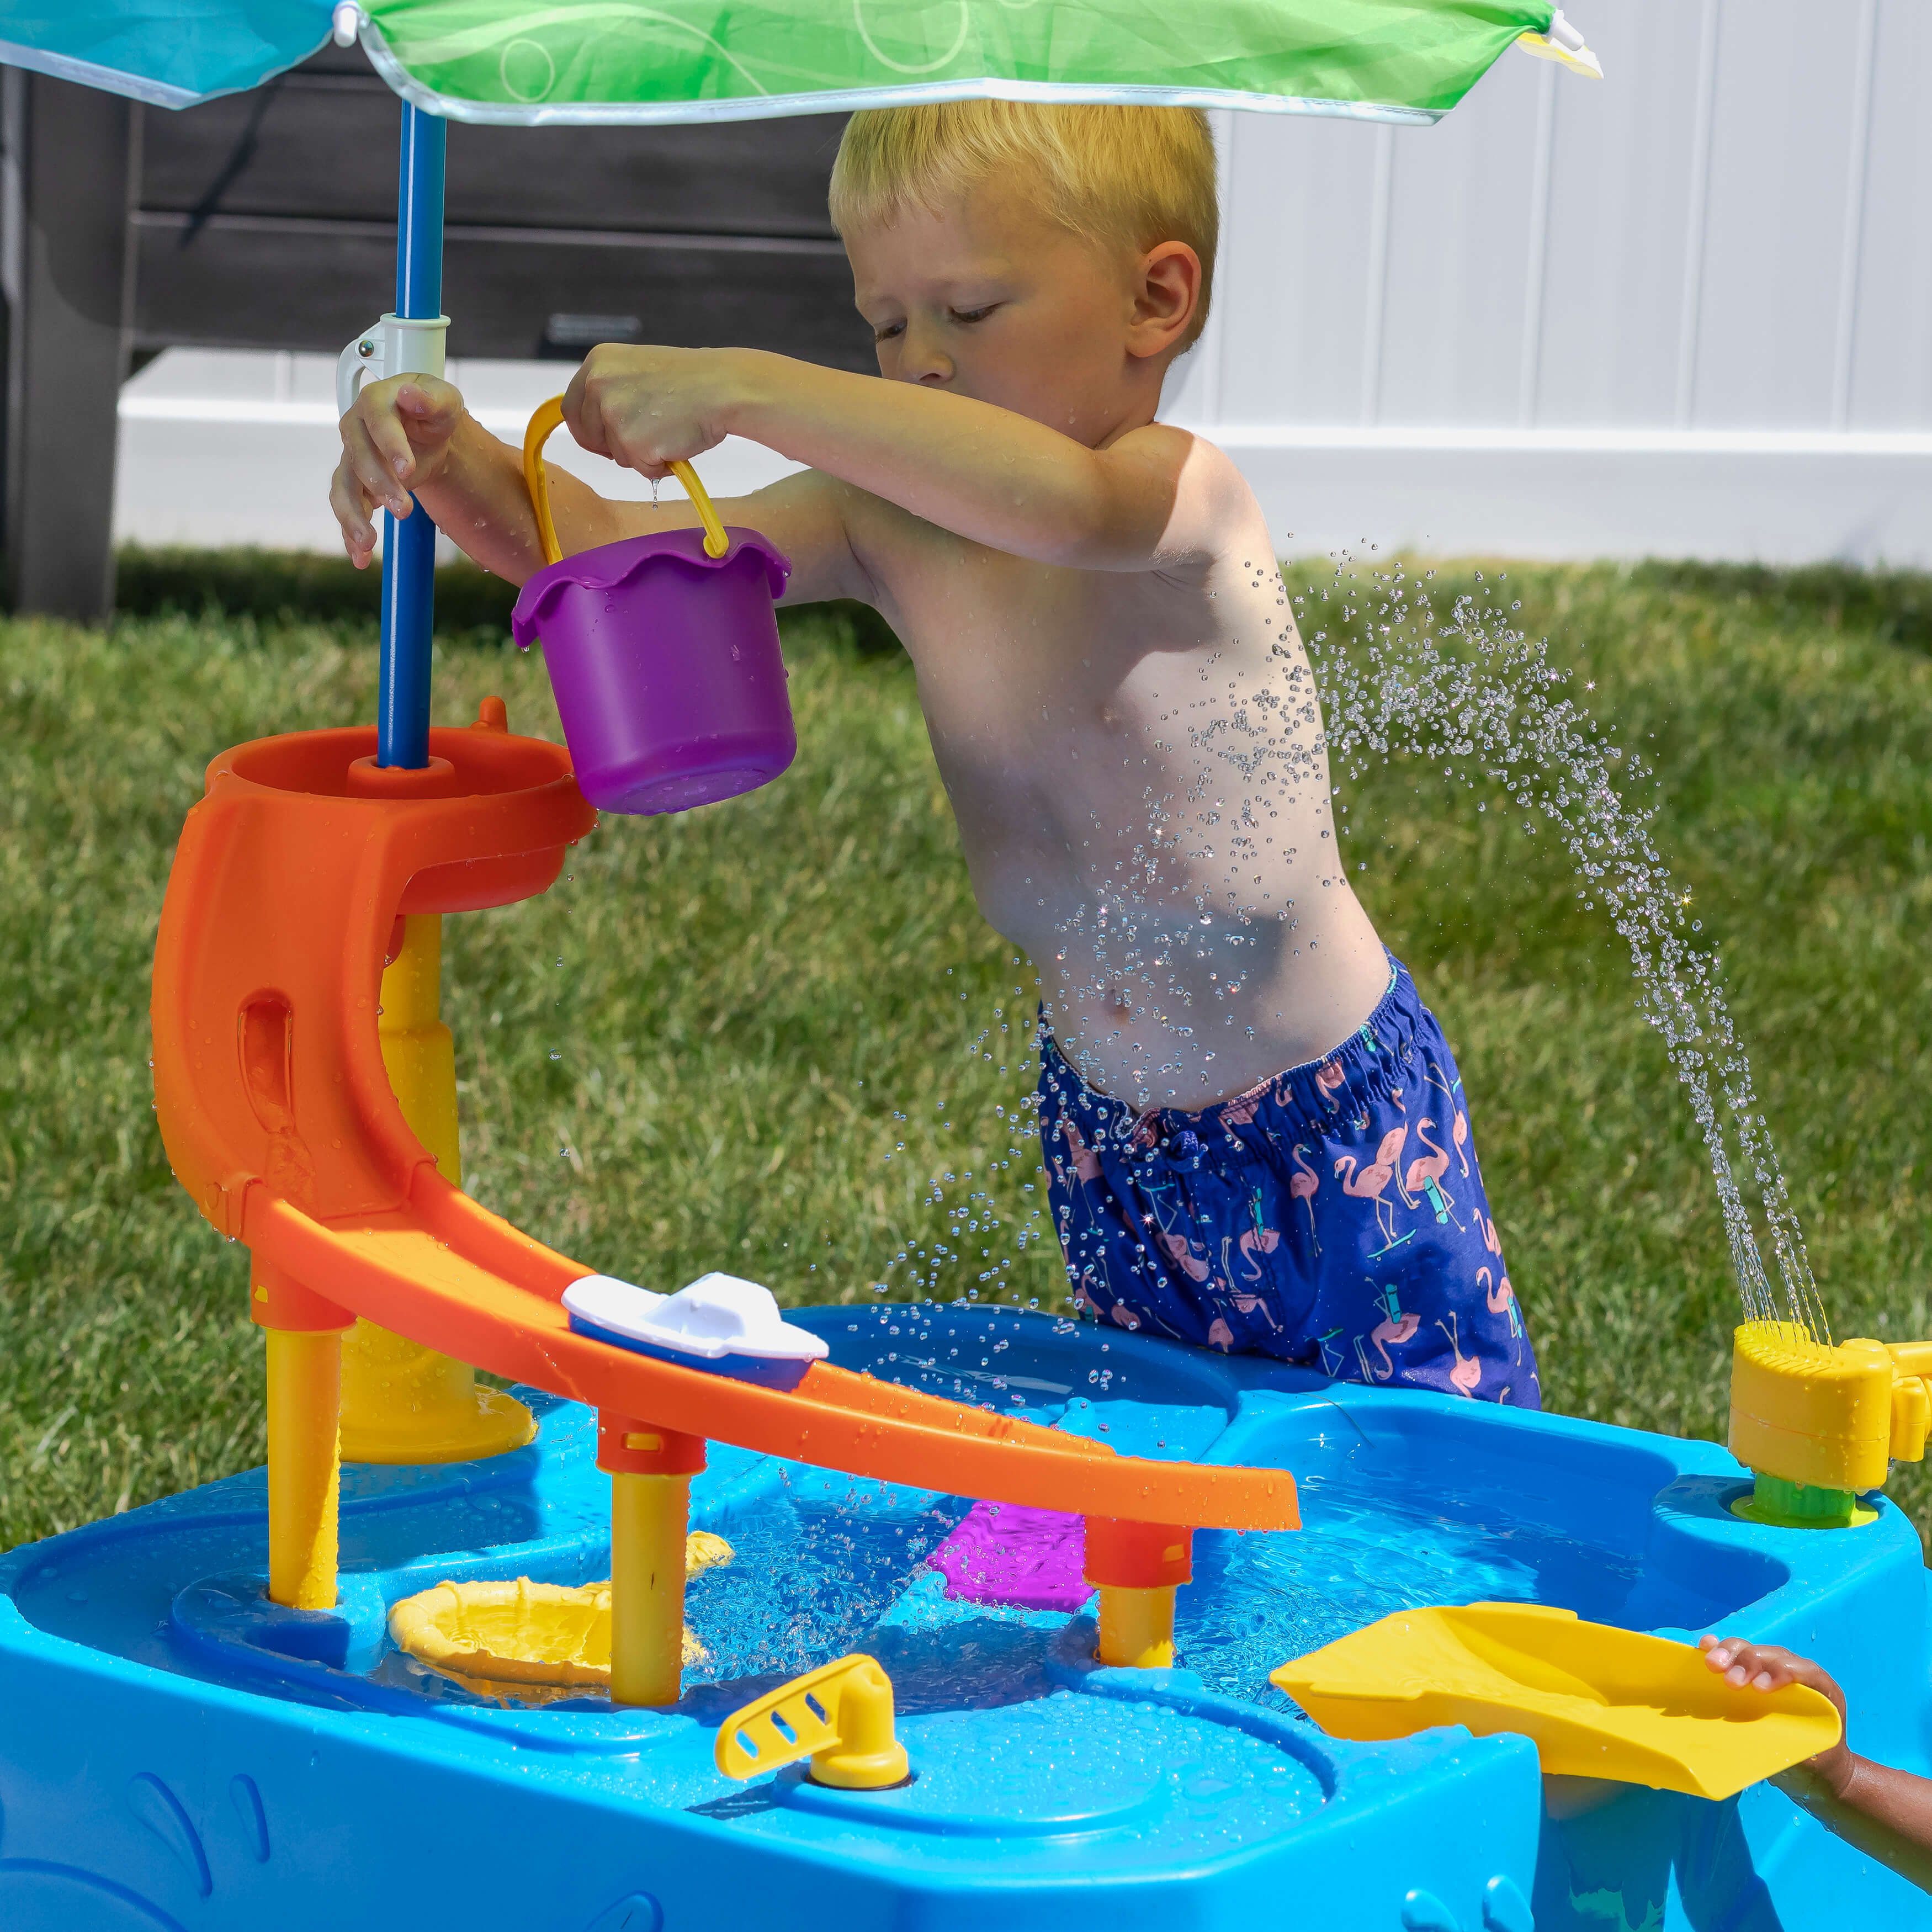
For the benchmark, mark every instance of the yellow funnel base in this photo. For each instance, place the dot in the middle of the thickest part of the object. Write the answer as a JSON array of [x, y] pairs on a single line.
[[1597, 1702], [537, 1641], [479, 1422]]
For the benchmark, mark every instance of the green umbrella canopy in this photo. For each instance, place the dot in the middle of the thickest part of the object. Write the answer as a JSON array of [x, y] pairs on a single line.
[[516, 63]]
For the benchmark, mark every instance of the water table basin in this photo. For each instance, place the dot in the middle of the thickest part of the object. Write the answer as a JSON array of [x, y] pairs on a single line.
[[175, 1752]]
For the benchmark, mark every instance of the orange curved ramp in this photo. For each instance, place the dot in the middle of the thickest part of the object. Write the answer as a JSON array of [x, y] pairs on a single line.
[[279, 1121]]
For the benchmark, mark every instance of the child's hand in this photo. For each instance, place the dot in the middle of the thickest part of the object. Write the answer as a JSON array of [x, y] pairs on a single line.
[[649, 408], [393, 440], [1764, 1667]]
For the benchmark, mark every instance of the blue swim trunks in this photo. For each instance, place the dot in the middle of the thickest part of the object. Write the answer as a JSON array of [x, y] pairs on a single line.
[[1334, 1216]]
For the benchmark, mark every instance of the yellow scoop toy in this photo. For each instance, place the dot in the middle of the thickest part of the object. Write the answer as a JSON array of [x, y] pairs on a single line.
[[1599, 1702]]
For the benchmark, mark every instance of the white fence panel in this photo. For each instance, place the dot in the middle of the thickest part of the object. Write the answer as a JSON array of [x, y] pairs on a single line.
[[1687, 310]]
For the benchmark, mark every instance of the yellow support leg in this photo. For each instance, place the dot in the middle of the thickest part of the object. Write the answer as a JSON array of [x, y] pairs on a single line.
[[1136, 1626], [649, 1515], [305, 1390], [402, 1403]]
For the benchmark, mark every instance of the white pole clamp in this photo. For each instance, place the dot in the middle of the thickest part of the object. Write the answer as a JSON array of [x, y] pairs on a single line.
[[395, 346]]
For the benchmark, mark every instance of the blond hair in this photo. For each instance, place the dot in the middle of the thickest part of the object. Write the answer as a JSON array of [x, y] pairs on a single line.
[[1125, 177]]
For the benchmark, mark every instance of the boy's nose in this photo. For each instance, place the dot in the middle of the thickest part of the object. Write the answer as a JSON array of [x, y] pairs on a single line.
[[921, 360]]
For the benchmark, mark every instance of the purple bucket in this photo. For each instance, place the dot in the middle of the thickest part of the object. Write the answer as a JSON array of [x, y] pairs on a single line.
[[666, 667]]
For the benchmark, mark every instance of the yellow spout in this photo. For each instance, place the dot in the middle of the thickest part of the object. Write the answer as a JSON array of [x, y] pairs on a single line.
[[305, 1373], [1136, 1626], [648, 1518]]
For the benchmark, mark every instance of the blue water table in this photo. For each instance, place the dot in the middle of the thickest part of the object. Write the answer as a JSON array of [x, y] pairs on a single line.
[[179, 1751]]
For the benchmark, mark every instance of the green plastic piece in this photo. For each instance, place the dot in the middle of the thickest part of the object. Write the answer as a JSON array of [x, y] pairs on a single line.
[[512, 62], [1785, 1505]]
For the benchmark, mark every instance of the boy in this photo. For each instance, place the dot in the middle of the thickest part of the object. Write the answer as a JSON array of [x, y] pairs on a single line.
[[1120, 707]]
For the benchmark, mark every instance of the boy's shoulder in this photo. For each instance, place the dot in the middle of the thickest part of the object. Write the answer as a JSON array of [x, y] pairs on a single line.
[[1214, 507]]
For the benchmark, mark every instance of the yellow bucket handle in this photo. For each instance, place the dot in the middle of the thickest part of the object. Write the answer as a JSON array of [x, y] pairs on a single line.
[[550, 416]]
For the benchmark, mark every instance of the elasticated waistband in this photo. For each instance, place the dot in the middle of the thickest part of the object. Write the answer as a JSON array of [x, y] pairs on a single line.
[[1353, 1077]]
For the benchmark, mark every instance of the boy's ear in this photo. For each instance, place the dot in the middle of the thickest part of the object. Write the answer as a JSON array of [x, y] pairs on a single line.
[[1166, 292]]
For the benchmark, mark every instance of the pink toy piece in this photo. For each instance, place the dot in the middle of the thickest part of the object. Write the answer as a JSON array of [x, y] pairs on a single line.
[[1028, 1559], [666, 666]]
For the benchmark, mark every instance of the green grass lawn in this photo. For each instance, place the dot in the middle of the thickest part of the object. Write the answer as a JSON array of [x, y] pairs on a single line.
[[776, 1036]]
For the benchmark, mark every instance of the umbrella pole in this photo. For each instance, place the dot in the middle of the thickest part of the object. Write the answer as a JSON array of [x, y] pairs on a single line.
[[401, 1402], [408, 546]]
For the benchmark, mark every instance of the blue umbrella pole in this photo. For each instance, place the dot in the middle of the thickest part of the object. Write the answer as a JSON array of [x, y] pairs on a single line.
[[408, 546]]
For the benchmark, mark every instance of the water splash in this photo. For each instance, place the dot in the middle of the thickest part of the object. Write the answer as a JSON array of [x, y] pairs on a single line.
[[1467, 693], [1473, 696]]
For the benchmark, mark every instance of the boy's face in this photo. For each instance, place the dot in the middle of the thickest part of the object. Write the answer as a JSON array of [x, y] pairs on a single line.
[[992, 299]]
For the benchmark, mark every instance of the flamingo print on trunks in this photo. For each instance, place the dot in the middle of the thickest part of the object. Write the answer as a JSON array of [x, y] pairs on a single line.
[[1247, 1299], [1179, 1250], [1302, 1186], [1425, 1176], [1467, 1372], [1086, 1162], [1370, 1183], [1255, 1239], [1500, 1300], [1394, 1329], [1458, 1128]]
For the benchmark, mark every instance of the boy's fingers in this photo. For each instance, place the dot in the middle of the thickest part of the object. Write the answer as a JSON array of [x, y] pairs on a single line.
[[1741, 1663], [387, 438], [1768, 1667], [583, 415], [429, 416], [347, 499], [429, 398], [366, 464]]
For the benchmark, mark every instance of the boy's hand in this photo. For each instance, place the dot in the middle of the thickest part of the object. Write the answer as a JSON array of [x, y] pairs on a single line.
[[1764, 1667], [649, 408], [393, 440]]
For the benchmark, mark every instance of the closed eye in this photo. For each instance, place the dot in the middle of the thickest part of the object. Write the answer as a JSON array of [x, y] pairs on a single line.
[[970, 315]]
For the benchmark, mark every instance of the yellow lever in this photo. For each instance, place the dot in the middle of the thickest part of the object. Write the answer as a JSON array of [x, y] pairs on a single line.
[[548, 417], [840, 1717]]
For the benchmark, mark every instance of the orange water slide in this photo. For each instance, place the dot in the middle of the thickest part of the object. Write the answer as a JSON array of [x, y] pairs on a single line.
[[279, 1119]]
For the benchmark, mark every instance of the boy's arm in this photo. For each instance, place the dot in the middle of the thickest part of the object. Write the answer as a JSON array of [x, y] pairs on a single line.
[[413, 435], [1153, 499], [1886, 1812]]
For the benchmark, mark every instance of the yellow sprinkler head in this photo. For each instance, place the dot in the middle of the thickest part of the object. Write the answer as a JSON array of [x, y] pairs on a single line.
[[840, 1716], [1817, 1423]]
